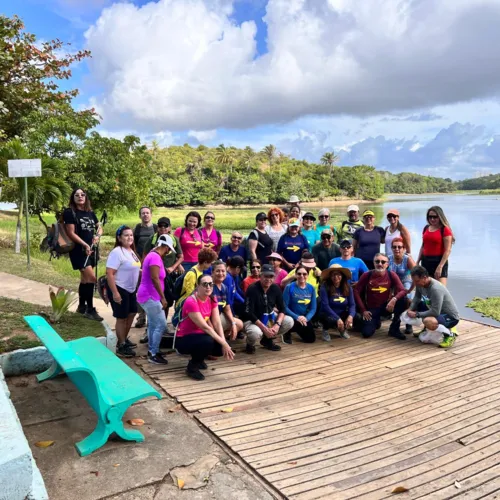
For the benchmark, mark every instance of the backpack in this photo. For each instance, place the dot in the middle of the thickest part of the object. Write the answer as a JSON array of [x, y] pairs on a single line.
[[245, 240], [58, 241], [102, 289], [177, 288], [138, 228], [427, 227]]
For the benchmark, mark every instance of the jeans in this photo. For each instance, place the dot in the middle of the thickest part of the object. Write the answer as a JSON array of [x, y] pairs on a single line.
[[368, 327], [157, 324], [199, 345], [254, 333], [329, 322]]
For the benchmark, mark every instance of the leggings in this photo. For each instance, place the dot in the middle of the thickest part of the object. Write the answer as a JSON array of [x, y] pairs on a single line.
[[306, 333], [199, 345]]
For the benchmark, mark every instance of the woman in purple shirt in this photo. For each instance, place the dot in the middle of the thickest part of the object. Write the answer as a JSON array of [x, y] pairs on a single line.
[[367, 240]]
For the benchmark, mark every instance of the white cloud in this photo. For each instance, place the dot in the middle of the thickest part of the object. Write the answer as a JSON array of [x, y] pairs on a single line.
[[184, 64], [203, 135]]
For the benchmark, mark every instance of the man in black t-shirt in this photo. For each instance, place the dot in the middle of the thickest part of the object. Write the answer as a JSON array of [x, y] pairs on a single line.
[[264, 316], [143, 231]]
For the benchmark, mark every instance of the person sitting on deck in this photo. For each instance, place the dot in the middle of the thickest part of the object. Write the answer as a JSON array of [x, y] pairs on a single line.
[[378, 293], [264, 316], [435, 305]]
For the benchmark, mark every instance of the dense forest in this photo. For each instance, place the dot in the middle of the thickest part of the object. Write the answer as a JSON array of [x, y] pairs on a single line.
[[487, 182]]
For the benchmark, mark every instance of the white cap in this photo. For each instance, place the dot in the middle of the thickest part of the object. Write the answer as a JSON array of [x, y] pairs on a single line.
[[165, 240], [294, 199], [353, 208]]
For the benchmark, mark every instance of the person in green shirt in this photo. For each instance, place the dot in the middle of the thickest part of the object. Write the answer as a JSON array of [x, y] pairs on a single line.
[[347, 228]]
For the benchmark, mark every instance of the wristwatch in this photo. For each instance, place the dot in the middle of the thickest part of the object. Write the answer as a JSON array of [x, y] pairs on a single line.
[[417, 315], [278, 323]]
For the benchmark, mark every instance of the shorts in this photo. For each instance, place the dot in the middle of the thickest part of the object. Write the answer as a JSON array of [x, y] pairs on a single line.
[[128, 305], [447, 321], [78, 258], [431, 263]]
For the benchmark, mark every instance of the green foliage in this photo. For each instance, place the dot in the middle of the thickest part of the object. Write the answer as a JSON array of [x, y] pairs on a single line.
[[491, 181], [409, 183], [489, 307], [61, 300]]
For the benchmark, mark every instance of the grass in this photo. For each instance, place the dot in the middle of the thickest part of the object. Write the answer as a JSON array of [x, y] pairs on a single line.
[[489, 307], [16, 334], [489, 191]]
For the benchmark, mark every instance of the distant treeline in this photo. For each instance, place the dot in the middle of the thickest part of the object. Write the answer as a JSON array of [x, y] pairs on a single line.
[[487, 182]]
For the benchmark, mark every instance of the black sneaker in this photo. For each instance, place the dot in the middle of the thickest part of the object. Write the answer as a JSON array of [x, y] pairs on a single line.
[[129, 343], [269, 344], [157, 359], [202, 365], [124, 351], [144, 339], [397, 335], [193, 371], [81, 309], [408, 329], [92, 314], [287, 338], [250, 349]]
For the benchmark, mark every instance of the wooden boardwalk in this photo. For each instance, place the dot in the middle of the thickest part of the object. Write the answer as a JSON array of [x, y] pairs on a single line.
[[357, 418]]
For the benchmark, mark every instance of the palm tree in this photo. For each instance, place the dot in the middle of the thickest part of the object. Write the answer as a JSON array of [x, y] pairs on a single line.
[[248, 157], [329, 159], [270, 153], [47, 192]]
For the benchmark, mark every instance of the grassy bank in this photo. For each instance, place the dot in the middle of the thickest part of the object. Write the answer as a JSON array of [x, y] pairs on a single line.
[[489, 191], [489, 307], [16, 334]]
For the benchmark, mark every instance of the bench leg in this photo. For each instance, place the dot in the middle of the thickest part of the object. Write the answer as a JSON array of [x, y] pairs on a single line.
[[115, 416], [51, 372], [93, 441]]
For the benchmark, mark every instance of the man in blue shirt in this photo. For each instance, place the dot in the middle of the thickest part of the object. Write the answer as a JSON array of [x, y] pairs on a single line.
[[346, 260], [234, 248]]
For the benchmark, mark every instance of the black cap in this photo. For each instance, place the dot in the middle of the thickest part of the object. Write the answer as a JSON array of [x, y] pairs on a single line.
[[268, 269], [309, 215], [261, 216], [345, 243], [164, 220]]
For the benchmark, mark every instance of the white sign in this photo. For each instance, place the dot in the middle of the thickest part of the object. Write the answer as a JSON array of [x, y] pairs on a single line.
[[25, 168]]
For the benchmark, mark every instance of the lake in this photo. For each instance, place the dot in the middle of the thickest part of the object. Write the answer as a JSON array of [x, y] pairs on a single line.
[[474, 219]]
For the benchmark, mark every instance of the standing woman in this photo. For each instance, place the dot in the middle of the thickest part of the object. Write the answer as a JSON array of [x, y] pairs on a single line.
[[151, 296], [260, 243], [396, 230], [292, 244], [437, 238], [190, 239], [309, 231], [84, 230], [123, 268], [212, 238], [276, 227], [367, 239]]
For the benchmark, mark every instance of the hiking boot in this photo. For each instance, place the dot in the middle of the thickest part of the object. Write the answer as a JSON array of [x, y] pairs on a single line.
[[408, 330], [193, 371], [249, 349], [287, 338], [326, 336], [129, 343], [397, 335], [269, 344], [92, 314], [144, 339], [345, 335], [124, 351], [140, 323], [81, 309], [157, 359], [202, 365], [448, 341]]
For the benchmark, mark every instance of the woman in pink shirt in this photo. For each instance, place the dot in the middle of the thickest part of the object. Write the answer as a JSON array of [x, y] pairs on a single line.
[[190, 239], [275, 259], [200, 331], [212, 238]]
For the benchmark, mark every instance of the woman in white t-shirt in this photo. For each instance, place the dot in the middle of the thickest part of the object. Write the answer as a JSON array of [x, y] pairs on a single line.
[[396, 230], [123, 269]]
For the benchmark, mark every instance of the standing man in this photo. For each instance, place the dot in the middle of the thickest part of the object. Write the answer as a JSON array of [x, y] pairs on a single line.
[[379, 293], [326, 250], [264, 316], [347, 228], [142, 234], [434, 304]]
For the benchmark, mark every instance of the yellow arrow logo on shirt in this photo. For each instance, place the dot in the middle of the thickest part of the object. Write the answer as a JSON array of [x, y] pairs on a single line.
[[304, 301], [340, 299], [222, 304], [380, 289], [294, 248], [195, 243]]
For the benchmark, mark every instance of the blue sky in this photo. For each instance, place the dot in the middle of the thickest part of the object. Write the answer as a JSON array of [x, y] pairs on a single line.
[[411, 85]]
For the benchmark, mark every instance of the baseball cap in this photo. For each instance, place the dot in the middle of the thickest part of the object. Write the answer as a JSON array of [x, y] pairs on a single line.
[[393, 211], [327, 231], [324, 211], [261, 216], [165, 240], [308, 215], [352, 208], [345, 243], [267, 269], [164, 220], [294, 222], [368, 212]]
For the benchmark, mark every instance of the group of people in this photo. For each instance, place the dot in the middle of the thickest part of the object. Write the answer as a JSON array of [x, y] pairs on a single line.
[[289, 275]]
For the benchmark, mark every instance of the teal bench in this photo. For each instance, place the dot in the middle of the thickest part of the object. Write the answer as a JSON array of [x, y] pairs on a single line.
[[106, 382]]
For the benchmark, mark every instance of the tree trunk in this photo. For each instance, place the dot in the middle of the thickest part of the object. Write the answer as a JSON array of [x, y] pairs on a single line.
[[18, 227]]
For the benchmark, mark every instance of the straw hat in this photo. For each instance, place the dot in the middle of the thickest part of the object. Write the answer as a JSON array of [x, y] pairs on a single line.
[[335, 267]]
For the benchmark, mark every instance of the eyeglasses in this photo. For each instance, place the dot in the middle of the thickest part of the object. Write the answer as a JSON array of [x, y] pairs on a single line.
[[301, 274], [381, 261], [324, 216], [254, 267], [433, 217], [398, 246], [208, 217], [236, 238], [326, 237], [207, 284]]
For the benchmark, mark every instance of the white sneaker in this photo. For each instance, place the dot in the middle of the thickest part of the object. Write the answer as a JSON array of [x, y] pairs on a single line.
[[326, 336]]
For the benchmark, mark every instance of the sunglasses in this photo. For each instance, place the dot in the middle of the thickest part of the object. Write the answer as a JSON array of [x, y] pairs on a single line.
[[381, 261], [164, 226], [207, 284], [236, 238], [326, 237], [301, 274], [392, 216], [275, 215], [324, 216], [433, 217], [307, 218], [254, 267], [398, 246], [261, 220], [208, 217]]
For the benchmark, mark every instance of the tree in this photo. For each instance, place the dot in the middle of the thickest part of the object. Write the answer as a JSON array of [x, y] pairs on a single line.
[[328, 159], [270, 153], [248, 157]]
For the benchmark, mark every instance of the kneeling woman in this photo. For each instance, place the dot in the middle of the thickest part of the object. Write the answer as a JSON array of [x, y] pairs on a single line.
[[300, 304], [200, 331], [225, 300], [337, 301]]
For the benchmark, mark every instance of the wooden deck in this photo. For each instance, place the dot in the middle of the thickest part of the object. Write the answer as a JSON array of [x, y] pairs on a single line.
[[357, 418]]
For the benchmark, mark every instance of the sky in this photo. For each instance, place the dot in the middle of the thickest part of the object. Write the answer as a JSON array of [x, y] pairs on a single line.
[[403, 85]]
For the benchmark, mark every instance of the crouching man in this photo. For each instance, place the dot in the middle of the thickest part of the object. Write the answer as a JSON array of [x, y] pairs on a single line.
[[434, 304], [264, 316]]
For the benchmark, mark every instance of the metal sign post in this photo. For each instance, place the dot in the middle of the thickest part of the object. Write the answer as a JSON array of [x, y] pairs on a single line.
[[26, 168]]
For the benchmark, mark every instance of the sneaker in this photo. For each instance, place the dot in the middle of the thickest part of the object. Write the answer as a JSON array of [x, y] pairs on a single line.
[[249, 349], [144, 339], [81, 309], [454, 331], [157, 359], [269, 344], [124, 351], [408, 330], [345, 335], [202, 365], [417, 334], [397, 335], [129, 343], [287, 338], [326, 336], [193, 372], [448, 341], [240, 335], [92, 314]]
